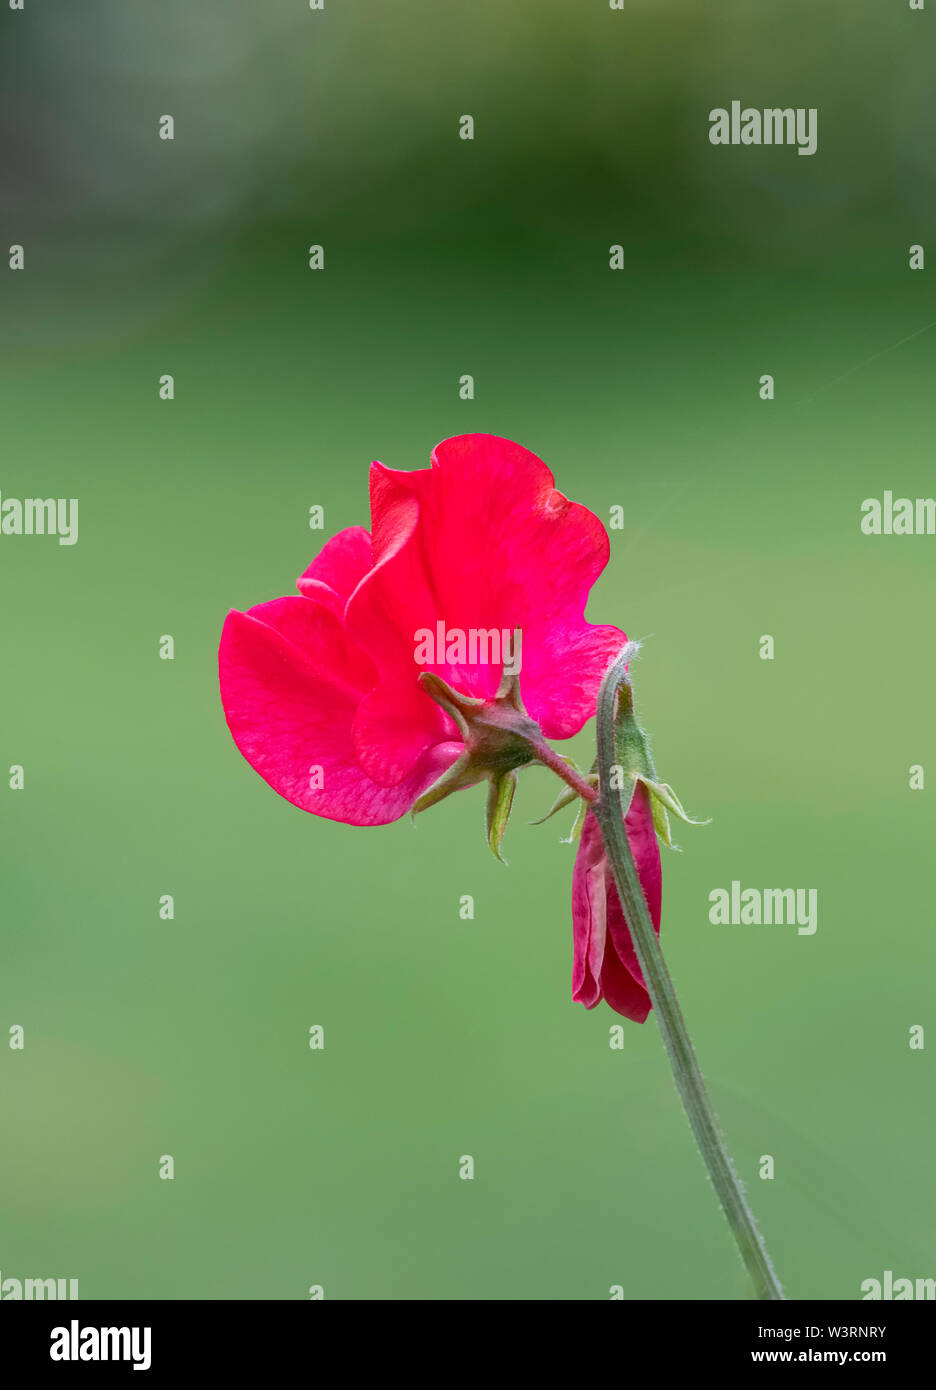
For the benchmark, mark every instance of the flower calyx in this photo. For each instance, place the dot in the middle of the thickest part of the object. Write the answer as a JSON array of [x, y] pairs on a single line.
[[498, 736]]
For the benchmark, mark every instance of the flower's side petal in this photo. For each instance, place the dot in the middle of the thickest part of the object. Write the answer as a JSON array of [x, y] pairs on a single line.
[[394, 506], [338, 568], [394, 600], [291, 713], [322, 593], [393, 726], [589, 901], [318, 636], [645, 848]]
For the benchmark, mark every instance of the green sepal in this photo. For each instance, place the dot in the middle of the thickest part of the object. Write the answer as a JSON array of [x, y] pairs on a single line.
[[565, 798], [664, 793], [499, 801], [631, 750], [627, 788], [662, 800], [454, 779], [661, 821], [576, 830], [632, 755], [562, 800]]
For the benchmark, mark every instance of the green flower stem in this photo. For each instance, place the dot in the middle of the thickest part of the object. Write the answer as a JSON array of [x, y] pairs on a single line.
[[562, 768], [609, 811]]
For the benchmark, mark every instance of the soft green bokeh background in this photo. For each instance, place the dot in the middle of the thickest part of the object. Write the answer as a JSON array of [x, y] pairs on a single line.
[[639, 388]]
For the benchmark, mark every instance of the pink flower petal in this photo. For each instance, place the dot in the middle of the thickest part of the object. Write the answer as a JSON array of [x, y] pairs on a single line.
[[589, 916], [291, 684], [338, 568], [645, 848], [481, 540]]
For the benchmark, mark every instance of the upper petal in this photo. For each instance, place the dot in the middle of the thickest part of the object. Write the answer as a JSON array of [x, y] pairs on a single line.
[[480, 541], [515, 552]]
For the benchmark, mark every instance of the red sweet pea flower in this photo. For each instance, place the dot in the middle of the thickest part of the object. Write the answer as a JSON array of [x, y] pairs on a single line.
[[336, 700], [321, 692], [605, 963]]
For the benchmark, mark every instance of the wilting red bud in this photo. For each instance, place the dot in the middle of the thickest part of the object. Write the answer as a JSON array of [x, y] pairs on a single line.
[[605, 963]]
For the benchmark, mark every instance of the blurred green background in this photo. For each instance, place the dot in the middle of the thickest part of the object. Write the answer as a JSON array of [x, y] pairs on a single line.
[[639, 388]]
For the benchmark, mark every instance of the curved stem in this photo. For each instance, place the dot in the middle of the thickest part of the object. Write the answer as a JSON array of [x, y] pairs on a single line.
[[609, 812], [557, 764]]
